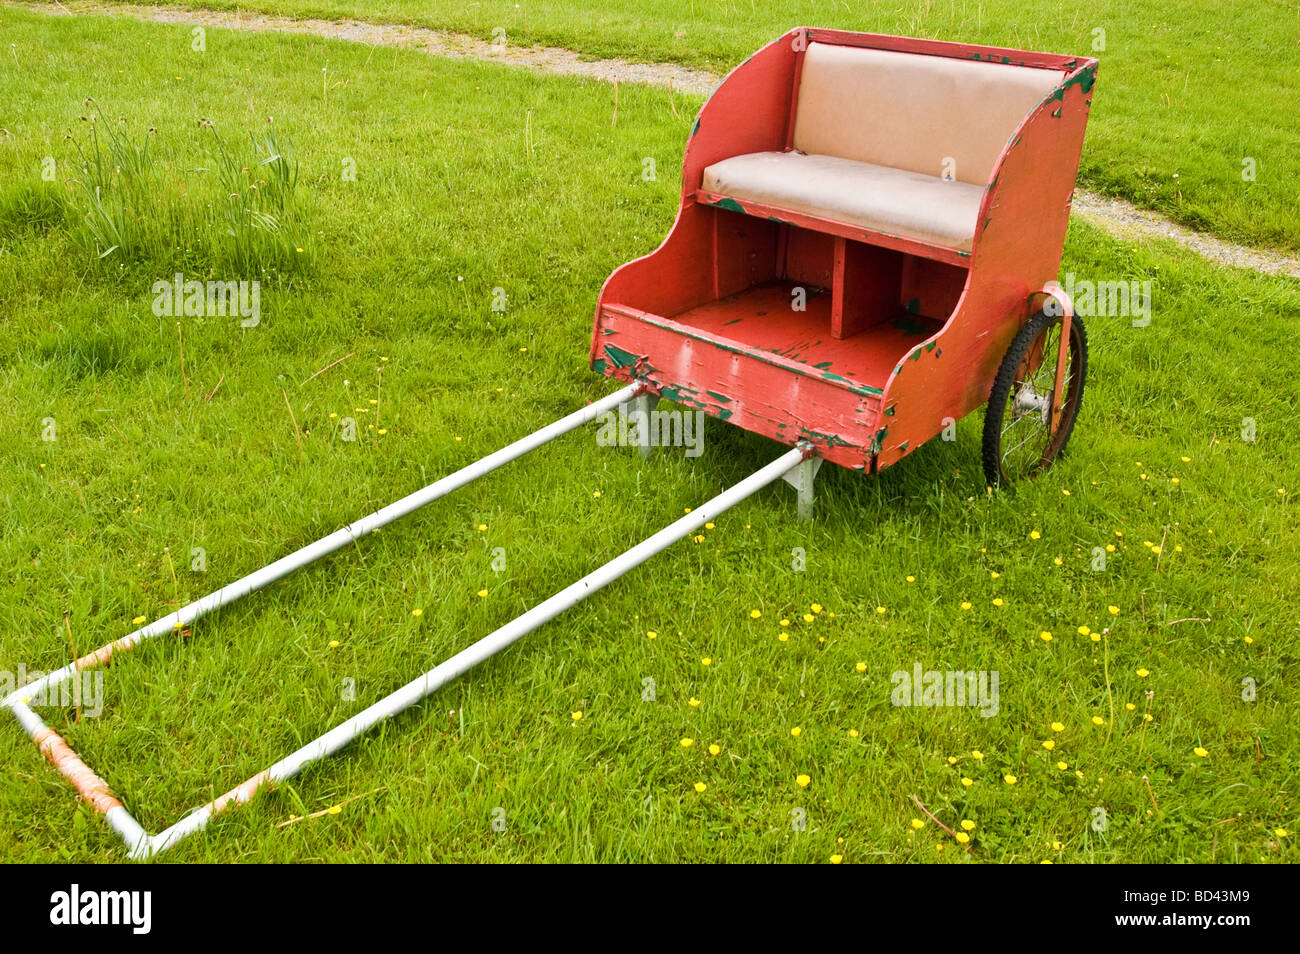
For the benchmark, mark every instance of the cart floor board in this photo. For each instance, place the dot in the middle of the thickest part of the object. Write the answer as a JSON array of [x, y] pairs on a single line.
[[761, 318]]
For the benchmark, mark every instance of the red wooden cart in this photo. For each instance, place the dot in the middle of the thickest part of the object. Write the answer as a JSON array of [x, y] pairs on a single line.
[[869, 232], [866, 251]]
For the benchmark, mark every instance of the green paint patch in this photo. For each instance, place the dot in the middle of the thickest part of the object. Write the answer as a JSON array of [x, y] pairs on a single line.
[[598, 365], [720, 397], [908, 325], [621, 358], [728, 203]]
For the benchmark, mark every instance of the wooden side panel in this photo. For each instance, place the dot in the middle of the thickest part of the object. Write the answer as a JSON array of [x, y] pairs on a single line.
[[749, 112]]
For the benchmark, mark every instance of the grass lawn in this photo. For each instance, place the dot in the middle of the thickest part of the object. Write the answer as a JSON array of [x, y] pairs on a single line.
[[1189, 89], [471, 177]]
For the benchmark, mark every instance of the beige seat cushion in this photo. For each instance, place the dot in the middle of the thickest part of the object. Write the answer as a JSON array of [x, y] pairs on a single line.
[[930, 114], [894, 201]]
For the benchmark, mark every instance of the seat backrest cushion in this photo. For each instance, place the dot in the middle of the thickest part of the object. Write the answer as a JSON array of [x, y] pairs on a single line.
[[934, 115]]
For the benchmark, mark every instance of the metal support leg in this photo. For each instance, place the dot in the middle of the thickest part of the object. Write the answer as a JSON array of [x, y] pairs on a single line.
[[637, 414], [801, 479]]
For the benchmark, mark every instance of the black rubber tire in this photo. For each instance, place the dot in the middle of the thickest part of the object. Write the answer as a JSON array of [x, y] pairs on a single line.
[[1033, 329]]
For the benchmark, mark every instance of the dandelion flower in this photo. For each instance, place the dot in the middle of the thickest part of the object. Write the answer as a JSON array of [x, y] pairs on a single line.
[[755, 614], [481, 527], [796, 731], [881, 610], [783, 636], [802, 780], [962, 837], [706, 661], [965, 605], [1058, 727], [1249, 639], [976, 754], [917, 823], [138, 620], [785, 622], [1045, 636], [997, 601], [576, 715], [687, 743], [482, 594], [808, 617], [1049, 744], [417, 612], [836, 859], [1098, 720], [1095, 637], [1129, 706], [1280, 832], [1084, 631], [334, 644], [708, 526], [693, 702], [700, 787], [994, 574], [967, 782], [816, 607], [911, 579], [714, 749], [1062, 765], [1010, 779], [853, 733], [1200, 752], [952, 760], [968, 824], [1034, 535], [861, 667], [1057, 561], [1143, 673], [1113, 610], [651, 634]]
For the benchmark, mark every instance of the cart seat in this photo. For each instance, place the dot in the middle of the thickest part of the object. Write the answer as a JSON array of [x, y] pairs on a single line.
[[898, 143], [893, 201]]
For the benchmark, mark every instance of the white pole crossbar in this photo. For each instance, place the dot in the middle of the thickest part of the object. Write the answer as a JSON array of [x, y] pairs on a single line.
[[141, 844]]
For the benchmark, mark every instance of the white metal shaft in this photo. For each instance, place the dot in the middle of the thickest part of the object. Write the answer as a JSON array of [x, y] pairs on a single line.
[[340, 538], [467, 658]]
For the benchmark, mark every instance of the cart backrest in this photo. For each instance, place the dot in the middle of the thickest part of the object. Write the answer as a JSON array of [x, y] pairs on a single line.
[[913, 111]]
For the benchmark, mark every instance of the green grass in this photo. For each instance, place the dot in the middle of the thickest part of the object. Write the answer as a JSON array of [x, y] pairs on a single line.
[[1185, 94], [450, 203]]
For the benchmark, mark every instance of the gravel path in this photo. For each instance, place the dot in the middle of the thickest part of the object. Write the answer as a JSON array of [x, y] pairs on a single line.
[[1115, 215]]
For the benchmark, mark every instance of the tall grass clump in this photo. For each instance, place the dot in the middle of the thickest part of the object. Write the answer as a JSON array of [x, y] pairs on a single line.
[[235, 213]]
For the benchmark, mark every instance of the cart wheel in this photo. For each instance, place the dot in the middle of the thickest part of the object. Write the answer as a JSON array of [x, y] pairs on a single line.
[[1018, 441]]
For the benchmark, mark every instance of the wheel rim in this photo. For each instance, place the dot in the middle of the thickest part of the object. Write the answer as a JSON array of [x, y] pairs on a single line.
[[1026, 443]]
